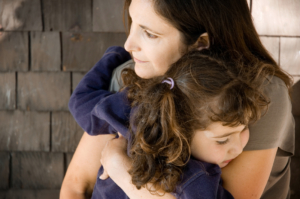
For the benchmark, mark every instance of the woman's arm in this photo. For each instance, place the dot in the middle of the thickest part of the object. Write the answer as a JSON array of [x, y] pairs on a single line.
[[81, 175], [247, 175]]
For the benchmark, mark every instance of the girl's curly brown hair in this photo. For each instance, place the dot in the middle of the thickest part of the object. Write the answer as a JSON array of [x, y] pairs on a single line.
[[207, 89]]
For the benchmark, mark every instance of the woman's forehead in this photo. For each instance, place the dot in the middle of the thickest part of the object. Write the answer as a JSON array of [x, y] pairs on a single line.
[[142, 13]]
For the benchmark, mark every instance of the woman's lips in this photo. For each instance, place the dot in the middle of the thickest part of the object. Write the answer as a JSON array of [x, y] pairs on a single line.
[[138, 61]]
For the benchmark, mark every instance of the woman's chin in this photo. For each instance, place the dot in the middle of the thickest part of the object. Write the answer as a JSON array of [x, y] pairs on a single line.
[[141, 72]]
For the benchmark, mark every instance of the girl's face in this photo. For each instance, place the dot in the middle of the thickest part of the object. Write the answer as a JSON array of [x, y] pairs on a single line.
[[153, 42], [219, 144]]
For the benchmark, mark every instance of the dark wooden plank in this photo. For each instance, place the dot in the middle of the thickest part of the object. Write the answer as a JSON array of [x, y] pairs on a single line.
[[29, 194], [296, 99], [76, 79], [45, 51], [82, 50], [14, 51], [69, 157], [37, 170], [24, 131], [107, 16], [67, 15], [272, 45], [297, 136], [45, 91], [276, 17], [295, 196], [295, 176], [7, 91], [4, 170], [21, 15], [290, 54], [66, 133]]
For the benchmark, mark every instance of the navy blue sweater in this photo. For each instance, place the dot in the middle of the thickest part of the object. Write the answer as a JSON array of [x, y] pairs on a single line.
[[99, 111]]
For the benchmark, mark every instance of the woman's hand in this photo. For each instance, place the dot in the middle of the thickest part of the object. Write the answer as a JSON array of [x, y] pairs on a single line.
[[116, 164], [114, 158]]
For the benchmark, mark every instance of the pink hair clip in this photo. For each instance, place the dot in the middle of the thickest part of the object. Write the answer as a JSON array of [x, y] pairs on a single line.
[[170, 81]]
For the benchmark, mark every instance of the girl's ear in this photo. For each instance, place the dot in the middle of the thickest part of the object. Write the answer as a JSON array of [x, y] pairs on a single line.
[[202, 42]]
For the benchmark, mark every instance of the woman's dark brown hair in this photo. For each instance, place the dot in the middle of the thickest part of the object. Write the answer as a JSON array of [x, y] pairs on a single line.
[[227, 22], [207, 89]]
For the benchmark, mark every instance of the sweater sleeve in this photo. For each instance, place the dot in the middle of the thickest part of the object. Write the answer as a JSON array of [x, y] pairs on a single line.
[[93, 88]]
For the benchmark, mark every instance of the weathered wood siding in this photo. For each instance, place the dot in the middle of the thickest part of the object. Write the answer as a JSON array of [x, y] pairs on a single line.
[[46, 46]]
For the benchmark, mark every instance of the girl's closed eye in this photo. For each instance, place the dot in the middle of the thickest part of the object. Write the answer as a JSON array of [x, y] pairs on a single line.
[[223, 141], [149, 35]]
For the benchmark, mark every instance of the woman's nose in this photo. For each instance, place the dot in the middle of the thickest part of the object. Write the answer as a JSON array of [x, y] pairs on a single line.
[[131, 43]]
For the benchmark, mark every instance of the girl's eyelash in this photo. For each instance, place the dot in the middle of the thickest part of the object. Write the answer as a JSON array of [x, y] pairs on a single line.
[[223, 142]]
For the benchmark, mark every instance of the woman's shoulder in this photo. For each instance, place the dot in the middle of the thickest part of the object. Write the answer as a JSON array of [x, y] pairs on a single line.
[[275, 83], [276, 127]]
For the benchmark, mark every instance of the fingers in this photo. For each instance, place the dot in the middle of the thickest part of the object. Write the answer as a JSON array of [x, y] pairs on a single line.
[[120, 135], [104, 175]]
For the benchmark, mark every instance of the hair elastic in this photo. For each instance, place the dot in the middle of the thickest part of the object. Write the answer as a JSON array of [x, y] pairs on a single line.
[[170, 81]]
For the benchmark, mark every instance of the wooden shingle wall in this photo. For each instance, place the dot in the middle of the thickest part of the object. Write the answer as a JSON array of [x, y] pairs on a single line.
[[46, 46]]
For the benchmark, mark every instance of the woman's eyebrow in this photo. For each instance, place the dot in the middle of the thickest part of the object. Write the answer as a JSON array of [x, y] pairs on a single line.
[[228, 134], [145, 27]]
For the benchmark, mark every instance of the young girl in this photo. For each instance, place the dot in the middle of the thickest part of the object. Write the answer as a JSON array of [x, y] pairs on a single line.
[[191, 110]]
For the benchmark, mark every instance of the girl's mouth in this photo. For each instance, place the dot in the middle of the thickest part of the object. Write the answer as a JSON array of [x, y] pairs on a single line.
[[227, 161]]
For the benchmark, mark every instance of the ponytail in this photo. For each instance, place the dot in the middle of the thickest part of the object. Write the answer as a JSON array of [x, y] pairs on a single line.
[[159, 145]]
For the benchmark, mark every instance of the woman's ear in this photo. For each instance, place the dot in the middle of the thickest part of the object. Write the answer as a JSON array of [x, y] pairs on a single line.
[[202, 42]]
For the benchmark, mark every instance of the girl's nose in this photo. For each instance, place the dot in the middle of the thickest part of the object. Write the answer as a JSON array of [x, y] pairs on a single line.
[[237, 148]]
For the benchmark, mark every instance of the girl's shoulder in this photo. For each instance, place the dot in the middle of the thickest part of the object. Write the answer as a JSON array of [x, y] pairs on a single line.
[[201, 180], [116, 82]]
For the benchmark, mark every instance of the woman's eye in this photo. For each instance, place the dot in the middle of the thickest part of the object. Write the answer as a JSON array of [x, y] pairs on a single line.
[[223, 142], [150, 35]]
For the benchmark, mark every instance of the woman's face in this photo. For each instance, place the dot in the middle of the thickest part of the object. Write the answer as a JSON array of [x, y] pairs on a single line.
[[219, 144], [153, 42]]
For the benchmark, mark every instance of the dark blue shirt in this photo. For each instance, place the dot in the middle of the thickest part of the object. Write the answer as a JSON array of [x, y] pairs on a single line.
[[99, 111]]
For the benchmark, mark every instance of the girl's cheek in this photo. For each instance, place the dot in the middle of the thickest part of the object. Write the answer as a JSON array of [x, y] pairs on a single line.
[[217, 154], [245, 137]]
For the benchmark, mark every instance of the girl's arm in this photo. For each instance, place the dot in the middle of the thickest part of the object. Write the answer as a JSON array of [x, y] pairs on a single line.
[[81, 175], [93, 88], [247, 175]]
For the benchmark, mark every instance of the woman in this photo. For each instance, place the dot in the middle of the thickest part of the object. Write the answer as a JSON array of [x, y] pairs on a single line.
[[161, 31]]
